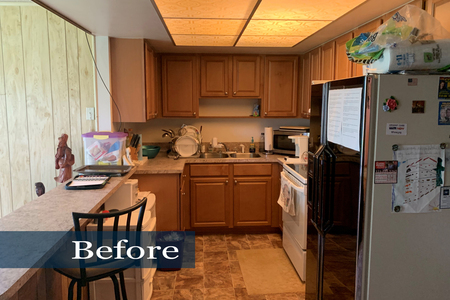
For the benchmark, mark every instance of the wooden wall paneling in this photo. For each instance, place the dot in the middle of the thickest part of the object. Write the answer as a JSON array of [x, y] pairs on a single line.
[[87, 80], [328, 60], [42, 142], [15, 102], [59, 84], [5, 170], [73, 81], [343, 66]]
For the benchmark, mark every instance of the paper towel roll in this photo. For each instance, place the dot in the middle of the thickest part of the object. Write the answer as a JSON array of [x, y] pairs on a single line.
[[214, 142], [413, 57], [268, 139]]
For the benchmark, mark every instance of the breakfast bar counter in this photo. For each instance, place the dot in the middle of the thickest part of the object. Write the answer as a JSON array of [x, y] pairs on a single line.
[[51, 212]]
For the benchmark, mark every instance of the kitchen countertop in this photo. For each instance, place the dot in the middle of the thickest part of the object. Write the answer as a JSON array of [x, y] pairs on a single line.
[[161, 164], [51, 212]]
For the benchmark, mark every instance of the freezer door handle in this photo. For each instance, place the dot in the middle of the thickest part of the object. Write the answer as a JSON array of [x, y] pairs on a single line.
[[322, 200]]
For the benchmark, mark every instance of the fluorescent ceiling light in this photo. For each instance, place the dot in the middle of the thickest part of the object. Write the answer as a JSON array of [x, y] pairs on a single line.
[[248, 23]]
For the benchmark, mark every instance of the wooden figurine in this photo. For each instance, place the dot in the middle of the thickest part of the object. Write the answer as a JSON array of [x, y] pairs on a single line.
[[40, 188], [64, 159]]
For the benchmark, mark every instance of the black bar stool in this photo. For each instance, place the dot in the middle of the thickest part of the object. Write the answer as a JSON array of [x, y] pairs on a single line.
[[82, 276]]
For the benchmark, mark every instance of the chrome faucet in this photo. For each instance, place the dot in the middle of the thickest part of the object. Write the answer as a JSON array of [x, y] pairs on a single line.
[[225, 146]]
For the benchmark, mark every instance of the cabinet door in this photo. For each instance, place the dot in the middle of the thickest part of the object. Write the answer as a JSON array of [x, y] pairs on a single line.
[[210, 202], [305, 104], [280, 96], [343, 66], [246, 76], [128, 79], [370, 27], [252, 205], [440, 10], [166, 188], [316, 64], [328, 59], [179, 82], [214, 75], [150, 82]]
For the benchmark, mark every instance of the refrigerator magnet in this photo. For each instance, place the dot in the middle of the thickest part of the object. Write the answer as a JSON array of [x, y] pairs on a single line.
[[390, 104], [386, 172], [444, 113], [445, 198], [418, 107], [444, 88]]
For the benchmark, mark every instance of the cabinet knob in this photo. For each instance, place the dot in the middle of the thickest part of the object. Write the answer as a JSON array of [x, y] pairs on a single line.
[[226, 93], [234, 93], [265, 113], [182, 194], [184, 175], [195, 113], [156, 114], [226, 181], [235, 182]]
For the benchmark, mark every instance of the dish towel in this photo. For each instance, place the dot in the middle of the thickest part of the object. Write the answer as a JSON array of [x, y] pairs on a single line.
[[287, 195]]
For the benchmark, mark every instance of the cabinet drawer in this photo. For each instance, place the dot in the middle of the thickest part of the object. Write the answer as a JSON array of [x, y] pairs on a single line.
[[209, 170], [252, 169]]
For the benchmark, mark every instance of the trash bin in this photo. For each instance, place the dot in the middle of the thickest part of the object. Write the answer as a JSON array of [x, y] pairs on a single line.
[[170, 238]]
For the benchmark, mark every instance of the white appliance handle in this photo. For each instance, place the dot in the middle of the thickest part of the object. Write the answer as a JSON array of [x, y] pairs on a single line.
[[292, 183]]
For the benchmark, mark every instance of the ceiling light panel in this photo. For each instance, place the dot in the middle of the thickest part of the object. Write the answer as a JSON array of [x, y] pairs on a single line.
[[211, 9], [205, 26], [304, 10], [268, 41], [204, 40], [284, 28]]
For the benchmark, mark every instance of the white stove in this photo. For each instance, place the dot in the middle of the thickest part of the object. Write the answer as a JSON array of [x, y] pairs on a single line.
[[294, 227]]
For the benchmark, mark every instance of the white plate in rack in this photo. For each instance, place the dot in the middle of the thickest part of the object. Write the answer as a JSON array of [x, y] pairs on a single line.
[[186, 146]]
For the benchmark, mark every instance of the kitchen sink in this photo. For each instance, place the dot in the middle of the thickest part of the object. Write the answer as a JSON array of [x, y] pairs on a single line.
[[244, 155], [214, 155]]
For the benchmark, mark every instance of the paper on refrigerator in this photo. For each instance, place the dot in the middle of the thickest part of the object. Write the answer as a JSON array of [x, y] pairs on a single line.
[[344, 117], [420, 177]]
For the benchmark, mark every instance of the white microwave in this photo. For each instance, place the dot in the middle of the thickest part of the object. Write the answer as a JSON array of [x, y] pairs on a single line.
[[282, 144]]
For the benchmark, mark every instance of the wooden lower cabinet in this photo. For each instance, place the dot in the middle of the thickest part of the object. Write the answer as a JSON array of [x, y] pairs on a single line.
[[232, 196], [210, 202], [166, 188], [252, 201]]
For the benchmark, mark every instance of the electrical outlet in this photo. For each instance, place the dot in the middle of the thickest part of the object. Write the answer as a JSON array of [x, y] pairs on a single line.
[[90, 113]]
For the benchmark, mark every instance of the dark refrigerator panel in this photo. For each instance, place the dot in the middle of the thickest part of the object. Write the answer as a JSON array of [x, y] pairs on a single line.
[[333, 197]]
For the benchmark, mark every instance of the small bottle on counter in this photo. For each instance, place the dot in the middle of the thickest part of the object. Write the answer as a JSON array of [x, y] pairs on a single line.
[[261, 143], [252, 146]]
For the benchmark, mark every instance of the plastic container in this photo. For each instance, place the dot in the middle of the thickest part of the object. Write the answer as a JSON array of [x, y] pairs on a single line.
[[104, 148], [150, 151]]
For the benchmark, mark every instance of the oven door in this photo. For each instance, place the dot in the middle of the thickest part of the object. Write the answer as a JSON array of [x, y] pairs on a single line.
[[296, 225]]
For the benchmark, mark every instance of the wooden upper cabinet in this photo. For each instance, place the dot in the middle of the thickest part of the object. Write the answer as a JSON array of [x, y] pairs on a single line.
[[280, 84], [305, 84], [370, 27], [179, 86], [328, 60], [132, 70], [246, 75], [230, 76], [440, 10], [342, 66], [150, 82], [214, 76], [316, 64]]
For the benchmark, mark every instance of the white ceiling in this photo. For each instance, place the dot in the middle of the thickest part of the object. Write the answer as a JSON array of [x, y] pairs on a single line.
[[139, 19]]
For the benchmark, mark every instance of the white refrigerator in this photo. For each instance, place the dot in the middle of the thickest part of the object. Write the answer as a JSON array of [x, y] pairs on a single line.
[[402, 244]]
